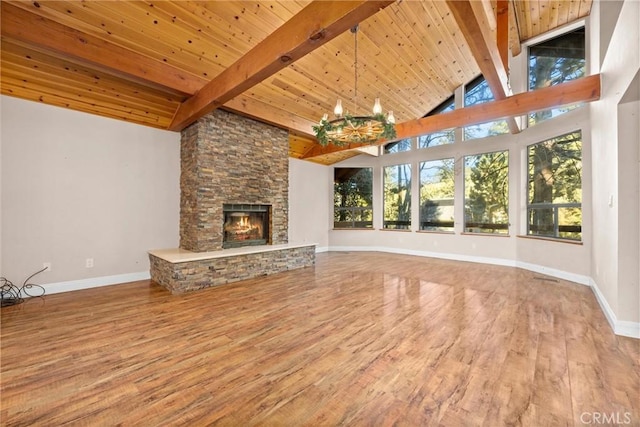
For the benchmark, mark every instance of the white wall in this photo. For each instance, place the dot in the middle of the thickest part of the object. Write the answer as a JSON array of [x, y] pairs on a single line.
[[309, 206], [610, 134], [78, 186], [629, 211]]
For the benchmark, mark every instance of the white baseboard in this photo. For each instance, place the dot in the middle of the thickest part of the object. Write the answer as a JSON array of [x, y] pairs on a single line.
[[454, 257], [322, 249], [558, 274], [94, 282], [620, 327]]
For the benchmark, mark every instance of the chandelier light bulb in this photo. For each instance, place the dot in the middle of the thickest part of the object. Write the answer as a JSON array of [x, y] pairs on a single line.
[[338, 110], [325, 117], [377, 108], [390, 117]]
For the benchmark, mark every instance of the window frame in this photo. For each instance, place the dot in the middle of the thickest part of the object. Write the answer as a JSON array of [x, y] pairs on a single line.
[[353, 209], [449, 228], [465, 90], [386, 148], [498, 226], [555, 207], [528, 119], [408, 185], [448, 104]]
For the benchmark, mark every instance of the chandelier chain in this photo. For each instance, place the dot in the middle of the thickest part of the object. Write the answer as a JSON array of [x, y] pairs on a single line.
[[355, 69]]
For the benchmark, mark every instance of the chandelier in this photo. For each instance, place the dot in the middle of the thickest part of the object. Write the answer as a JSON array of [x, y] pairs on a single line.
[[347, 128]]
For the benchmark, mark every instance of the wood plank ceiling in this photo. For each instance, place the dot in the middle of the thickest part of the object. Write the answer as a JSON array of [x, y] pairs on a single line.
[[138, 61]]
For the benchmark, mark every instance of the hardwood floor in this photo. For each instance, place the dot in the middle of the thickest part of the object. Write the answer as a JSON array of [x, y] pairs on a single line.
[[359, 339]]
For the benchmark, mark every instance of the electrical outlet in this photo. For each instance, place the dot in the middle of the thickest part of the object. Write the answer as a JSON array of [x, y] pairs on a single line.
[[46, 265], [89, 262]]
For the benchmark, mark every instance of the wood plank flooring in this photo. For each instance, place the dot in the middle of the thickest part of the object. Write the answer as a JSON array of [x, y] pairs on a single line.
[[360, 339]]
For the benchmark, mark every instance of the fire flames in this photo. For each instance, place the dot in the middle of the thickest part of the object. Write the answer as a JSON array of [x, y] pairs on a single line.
[[241, 227]]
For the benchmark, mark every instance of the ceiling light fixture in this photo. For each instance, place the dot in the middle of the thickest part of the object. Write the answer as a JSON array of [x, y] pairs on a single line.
[[347, 128]]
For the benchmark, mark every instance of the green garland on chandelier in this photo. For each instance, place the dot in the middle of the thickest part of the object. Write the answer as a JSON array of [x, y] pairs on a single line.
[[354, 129]]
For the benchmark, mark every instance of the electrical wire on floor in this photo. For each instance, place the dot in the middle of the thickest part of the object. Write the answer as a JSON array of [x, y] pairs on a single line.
[[10, 294]]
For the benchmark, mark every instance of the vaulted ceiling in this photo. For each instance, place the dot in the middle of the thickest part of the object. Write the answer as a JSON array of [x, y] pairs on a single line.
[[162, 63]]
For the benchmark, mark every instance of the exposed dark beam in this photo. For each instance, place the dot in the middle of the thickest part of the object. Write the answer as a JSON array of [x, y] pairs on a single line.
[[586, 89], [472, 21], [21, 25], [313, 26]]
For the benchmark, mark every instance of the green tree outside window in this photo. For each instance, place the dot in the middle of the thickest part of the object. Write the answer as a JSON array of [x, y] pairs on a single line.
[[397, 197], [353, 198], [486, 193]]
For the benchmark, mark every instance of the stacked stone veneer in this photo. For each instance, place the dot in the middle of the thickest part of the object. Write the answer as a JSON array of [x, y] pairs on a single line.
[[193, 275], [226, 158]]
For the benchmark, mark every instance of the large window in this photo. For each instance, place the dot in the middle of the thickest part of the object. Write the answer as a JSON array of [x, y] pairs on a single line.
[[486, 193], [353, 198], [553, 62], [555, 187], [479, 92], [398, 146], [442, 137], [397, 197], [436, 195]]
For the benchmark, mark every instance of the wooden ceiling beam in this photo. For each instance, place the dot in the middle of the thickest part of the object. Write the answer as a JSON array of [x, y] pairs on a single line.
[[514, 29], [313, 26], [261, 111], [26, 27], [472, 20], [586, 89], [502, 31]]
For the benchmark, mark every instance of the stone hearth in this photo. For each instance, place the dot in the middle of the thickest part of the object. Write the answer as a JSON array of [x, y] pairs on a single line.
[[181, 271], [228, 159]]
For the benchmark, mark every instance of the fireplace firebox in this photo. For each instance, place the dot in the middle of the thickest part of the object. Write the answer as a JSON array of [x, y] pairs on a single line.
[[245, 225]]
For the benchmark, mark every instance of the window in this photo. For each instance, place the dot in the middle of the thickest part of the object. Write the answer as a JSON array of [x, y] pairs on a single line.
[[553, 62], [353, 198], [397, 146], [478, 92], [442, 137], [555, 187], [436, 195], [397, 197], [486, 193]]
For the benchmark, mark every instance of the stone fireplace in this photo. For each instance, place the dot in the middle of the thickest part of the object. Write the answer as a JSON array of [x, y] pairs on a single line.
[[234, 206], [228, 159]]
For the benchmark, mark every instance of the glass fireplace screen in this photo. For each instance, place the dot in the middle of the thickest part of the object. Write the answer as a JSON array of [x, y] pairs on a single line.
[[245, 225]]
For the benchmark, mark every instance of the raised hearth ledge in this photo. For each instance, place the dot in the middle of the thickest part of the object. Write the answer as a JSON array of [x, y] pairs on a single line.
[[179, 270], [182, 255]]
